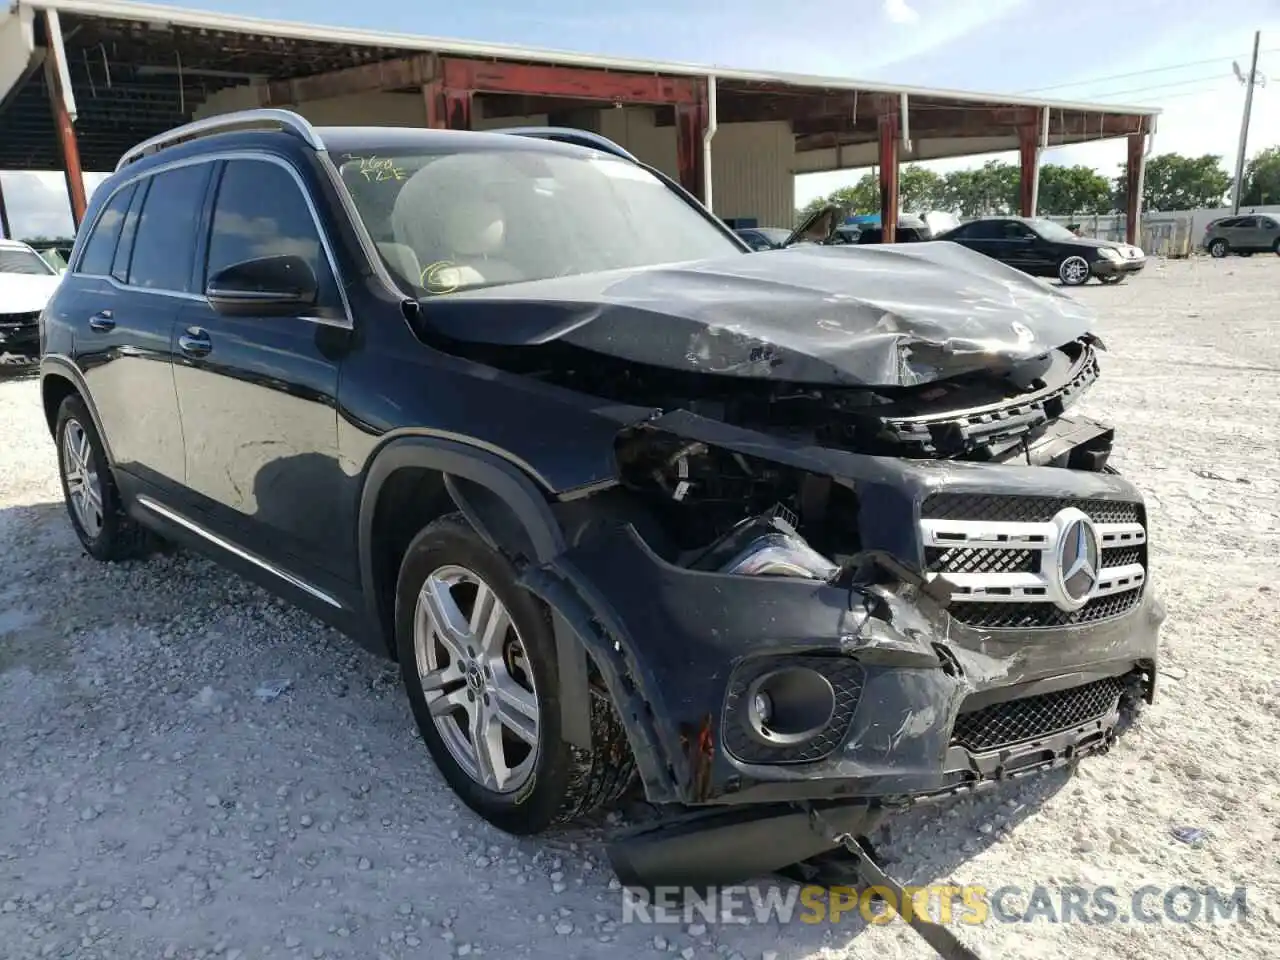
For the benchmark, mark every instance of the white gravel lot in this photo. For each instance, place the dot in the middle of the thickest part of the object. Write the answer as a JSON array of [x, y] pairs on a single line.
[[151, 805]]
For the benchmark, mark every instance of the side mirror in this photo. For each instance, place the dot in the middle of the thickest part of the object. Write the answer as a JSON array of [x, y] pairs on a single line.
[[267, 286]]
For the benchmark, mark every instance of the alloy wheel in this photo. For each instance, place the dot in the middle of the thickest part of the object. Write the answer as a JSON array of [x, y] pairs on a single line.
[[1074, 271], [476, 678], [1218, 249], [84, 487]]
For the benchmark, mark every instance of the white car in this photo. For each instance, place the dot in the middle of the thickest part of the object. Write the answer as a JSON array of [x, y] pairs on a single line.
[[26, 284]]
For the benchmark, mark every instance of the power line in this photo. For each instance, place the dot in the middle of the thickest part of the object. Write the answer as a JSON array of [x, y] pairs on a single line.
[[1159, 86], [1141, 73]]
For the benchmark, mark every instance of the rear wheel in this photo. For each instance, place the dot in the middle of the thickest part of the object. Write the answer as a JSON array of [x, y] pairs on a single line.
[[1219, 248], [97, 513], [1073, 271], [478, 657]]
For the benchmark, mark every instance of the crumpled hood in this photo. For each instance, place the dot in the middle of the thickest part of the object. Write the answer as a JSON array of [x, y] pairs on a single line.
[[873, 316], [26, 293]]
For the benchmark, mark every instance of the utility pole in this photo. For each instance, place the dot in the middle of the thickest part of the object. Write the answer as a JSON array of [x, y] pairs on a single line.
[[1249, 81]]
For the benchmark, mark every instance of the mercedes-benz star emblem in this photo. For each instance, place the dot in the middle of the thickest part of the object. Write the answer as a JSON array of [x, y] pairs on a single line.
[[1079, 559]]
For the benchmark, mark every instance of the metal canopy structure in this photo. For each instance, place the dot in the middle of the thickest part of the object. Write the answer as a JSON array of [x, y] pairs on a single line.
[[83, 80]]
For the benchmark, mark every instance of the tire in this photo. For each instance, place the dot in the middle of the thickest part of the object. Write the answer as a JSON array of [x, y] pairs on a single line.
[[549, 781], [1074, 271], [89, 489], [1112, 278], [1219, 249]]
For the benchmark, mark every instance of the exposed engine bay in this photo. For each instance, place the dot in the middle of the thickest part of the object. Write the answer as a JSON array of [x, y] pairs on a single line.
[[700, 493]]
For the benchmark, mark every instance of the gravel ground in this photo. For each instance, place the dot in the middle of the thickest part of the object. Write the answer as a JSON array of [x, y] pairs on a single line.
[[153, 805]]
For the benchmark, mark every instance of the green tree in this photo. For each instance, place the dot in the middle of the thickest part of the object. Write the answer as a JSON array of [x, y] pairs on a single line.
[[1175, 182], [1070, 190], [989, 189], [918, 189], [1262, 178], [861, 197]]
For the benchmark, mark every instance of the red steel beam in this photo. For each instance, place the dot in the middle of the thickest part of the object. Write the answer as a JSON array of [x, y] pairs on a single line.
[[70, 149], [691, 122], [576, 83], [888, 177]]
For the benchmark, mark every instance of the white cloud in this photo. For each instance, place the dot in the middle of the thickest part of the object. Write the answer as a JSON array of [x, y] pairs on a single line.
[[37, 203], [899, 11]]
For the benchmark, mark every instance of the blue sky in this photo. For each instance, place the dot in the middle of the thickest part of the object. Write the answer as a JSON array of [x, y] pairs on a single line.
[[1175, 54]]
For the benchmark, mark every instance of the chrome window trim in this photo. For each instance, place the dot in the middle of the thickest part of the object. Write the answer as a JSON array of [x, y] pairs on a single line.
[[174, 517], [345, 323]]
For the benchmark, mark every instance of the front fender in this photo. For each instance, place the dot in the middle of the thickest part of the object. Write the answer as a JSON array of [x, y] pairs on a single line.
[[511, 513]]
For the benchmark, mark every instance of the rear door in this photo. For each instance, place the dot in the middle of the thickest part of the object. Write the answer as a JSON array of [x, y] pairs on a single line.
[[130, 283], [258, 393], [1268, 233]]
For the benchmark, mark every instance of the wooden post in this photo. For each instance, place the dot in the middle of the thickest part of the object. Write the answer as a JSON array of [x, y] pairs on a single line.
[[70, 149], [888, 177], [1029, 173], [1134, 175]]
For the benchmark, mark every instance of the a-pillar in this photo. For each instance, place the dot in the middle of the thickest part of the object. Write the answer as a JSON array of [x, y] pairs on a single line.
[[1029, 173], [447, 108], [1134, 175], [691, 125], [67, 144], [888, 177]]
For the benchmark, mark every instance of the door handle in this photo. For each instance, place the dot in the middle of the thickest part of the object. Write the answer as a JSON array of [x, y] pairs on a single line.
[[102, 321], [195, 342]]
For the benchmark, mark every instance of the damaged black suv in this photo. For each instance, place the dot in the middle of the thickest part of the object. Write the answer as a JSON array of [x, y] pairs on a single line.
[[771, 538]]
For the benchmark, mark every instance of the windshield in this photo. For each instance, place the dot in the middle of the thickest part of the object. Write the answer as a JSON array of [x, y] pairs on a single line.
[[1052, 231], [17, 260], [447, 222]]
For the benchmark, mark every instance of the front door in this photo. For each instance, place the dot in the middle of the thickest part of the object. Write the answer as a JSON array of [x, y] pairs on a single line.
[[258, 393], [130, 283]]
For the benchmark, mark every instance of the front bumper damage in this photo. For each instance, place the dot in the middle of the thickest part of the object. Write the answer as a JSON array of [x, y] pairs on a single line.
[[926, 704]]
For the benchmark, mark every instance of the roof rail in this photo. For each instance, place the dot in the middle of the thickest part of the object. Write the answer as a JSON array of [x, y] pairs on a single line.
[[285, 120], [581, 138]]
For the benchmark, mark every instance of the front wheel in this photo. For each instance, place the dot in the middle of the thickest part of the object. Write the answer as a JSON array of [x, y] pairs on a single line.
[[478, 657], [1073, 271], [93, 501], [1219, 249]]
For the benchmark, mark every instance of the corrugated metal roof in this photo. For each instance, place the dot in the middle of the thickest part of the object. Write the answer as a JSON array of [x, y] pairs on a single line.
[[143, 12]]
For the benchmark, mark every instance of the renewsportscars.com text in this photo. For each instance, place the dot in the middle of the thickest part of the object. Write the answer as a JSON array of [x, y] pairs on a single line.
[[969, 905]]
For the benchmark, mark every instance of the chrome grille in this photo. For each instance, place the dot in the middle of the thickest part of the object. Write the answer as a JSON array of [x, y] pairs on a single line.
[[998, 553]]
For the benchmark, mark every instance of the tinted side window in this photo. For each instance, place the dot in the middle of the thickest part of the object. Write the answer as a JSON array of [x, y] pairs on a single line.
[[166, 240], [261, 212], [100, 248], [985, 230], [120, 265], [1267, 223]]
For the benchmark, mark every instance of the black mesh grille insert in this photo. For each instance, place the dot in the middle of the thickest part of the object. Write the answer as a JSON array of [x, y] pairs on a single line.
[[1017, 721], [968, 560]]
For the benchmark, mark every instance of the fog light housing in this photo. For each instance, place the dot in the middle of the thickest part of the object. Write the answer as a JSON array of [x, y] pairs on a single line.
[[798, 705]]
